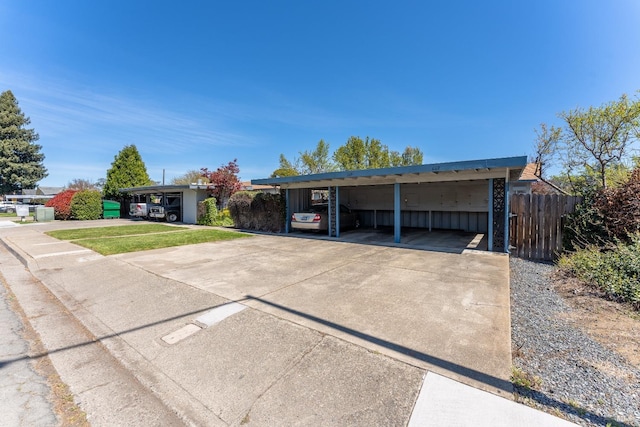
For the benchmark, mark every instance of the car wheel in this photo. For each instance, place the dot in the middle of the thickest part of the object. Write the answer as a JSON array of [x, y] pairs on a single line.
[[11, 210], [172, 217]]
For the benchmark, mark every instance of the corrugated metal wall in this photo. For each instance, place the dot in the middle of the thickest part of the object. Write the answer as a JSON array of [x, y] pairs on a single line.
[[299, 200], [476, 222]]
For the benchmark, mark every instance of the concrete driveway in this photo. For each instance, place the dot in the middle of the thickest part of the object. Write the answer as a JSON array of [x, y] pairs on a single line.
[[448, 313], [273, 330]]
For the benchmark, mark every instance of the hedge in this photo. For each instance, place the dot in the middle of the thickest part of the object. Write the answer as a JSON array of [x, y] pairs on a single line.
[[86, 205], [61, 204], [257, 211]]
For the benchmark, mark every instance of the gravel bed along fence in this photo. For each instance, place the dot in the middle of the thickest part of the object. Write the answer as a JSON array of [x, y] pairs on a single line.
[[579, 379]]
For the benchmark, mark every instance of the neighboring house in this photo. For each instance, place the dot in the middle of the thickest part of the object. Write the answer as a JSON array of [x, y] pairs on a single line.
[[270, 189], [48, 191], [38, 195], [530, 183]]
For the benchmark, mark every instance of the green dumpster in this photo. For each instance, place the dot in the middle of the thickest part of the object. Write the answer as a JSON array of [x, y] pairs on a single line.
[[110, 209]]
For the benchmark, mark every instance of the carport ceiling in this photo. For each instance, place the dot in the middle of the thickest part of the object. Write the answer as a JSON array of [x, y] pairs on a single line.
[[436, 172]]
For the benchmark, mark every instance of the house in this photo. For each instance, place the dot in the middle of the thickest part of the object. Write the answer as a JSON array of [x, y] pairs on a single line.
[[249, 186], [471, 196], [39, 194], [530, 183]]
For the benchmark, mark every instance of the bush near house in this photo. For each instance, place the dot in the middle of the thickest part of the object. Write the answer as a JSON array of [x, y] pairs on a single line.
[[86, 205], [604, 237], [61, 204], [240, 209], [585, 226], [208, 214], [616, 271], [620, 206], [257, 211], [605, 217]]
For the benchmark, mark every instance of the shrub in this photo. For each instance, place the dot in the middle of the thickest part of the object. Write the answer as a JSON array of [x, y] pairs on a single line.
[[240, 209], [616, 272], [257, 211], [61, 204], [620, 207], [208, 214], [268, 211], [224, 218], [585, 226], [86, 205], [207, 211]]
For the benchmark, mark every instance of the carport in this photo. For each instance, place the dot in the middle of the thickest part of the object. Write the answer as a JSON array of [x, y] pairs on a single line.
[[189, 195], [469, 195]]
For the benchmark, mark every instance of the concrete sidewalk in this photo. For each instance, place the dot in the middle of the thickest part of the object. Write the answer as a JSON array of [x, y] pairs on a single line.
[[225, 334]]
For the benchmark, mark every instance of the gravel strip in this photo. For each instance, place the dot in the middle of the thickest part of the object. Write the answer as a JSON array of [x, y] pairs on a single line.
[[580, 379]]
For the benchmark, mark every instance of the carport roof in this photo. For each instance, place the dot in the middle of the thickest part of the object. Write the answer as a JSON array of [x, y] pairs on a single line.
[[152, 189], [435, 172]]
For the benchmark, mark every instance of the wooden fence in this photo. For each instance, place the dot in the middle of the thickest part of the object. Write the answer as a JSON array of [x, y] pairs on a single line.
[[536, 223]]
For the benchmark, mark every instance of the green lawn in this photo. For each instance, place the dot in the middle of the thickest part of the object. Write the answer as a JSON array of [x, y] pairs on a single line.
[[133, 238], [123, 230]]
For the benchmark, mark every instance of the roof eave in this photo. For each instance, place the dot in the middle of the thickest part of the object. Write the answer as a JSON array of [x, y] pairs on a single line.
[[435, 168]]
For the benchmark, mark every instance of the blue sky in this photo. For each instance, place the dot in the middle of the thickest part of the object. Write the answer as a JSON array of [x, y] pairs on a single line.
[[198, 83]]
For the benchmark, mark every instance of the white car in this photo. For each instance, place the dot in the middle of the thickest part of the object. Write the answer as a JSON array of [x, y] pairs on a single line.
[[316, 218], [7, 207]]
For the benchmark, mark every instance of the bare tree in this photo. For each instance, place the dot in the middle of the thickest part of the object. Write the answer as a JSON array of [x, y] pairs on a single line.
[[546, 147], [190, 177], [81, 184]]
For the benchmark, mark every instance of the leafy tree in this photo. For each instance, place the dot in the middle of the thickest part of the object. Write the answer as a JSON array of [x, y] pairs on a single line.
[[21, 162], [224, 181], [286, 168], [127, 170], [410, 156], [317, 161], [583, 180], [81, 184], [190, 177], [358, 154], [597, 138], [352, 155]]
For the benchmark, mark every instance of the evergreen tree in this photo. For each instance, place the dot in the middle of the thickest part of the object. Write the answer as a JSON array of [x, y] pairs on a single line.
[[127, 170], [21, 162]]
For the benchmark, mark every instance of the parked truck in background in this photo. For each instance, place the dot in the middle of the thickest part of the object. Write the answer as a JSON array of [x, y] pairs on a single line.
[[138, 210], [170, 212], [165, 206]]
